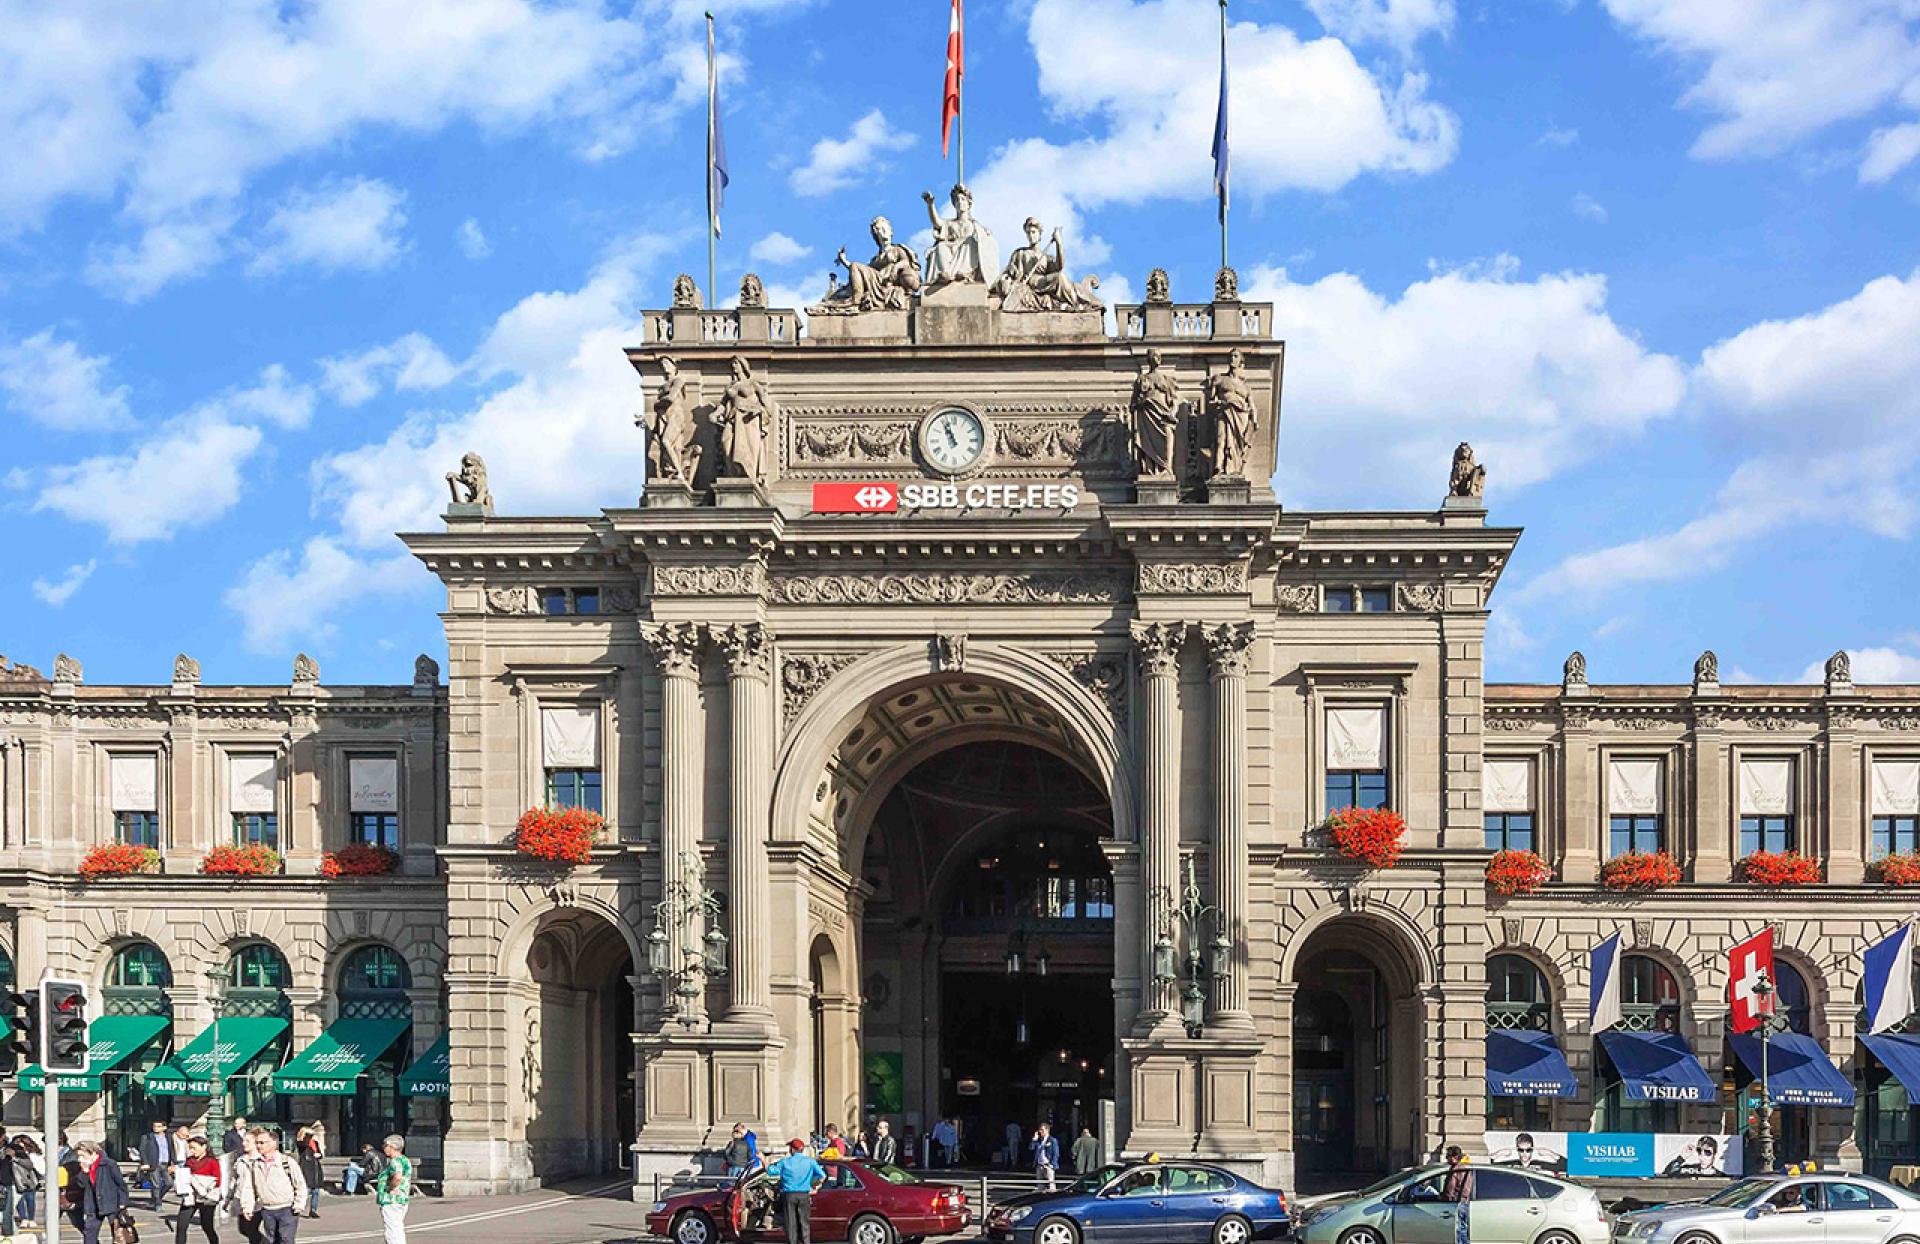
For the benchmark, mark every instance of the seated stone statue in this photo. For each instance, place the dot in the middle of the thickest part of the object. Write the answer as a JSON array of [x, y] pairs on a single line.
[[1037, 281], [963, 248], [886, 283]]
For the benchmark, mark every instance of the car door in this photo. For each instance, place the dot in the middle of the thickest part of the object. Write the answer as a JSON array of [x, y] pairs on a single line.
[[1792, 1214], [1420, 1215], [1129, 1211], [1856, 1214], [839, 1199], [1504, 1209], [1196, 1198]]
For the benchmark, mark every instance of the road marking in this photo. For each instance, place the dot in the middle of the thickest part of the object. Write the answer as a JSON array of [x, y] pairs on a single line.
[[415, 1228]]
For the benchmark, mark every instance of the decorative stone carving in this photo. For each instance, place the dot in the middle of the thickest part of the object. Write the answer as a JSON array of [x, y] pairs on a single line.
[[885, 283], [1575, 718], [1574, 672], [753, 295], [1226, 285], [1466, 479], [1706, 669], [471, 479], [1229, 400], [1510, 724], [426, 672], [1159, 290], [1036, 281], [186, 669], [1159, 644], [1839, 670], [1510, 931], [516, 600], [950, 652], [963, 248], [748, 647], [18, 671], [306, 671], [67, 670], [673, 439], [1421, 597], [830, 443], [1155, 407], [1015, 587], [735, 579], [1100, 673], [1228, 647], [1297, 597], [746, 417], [802, 674], [675, 646], [1187, 578], [620, 600], [686, 294]]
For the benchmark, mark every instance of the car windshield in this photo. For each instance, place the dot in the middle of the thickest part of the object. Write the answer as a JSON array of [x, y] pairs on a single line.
[[1742, 1194], [1097, 1177], [1391, 1182], [891, 1173]]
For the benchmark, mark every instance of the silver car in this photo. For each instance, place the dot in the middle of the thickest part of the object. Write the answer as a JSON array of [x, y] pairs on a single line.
[[1510, 1206], [1782, 1209]]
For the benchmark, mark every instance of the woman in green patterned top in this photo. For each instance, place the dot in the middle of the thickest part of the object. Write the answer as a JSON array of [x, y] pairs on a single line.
[[393, 1189]]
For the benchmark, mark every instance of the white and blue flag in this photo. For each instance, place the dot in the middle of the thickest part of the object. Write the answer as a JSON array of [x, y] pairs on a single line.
[[1603, 985], [1220, 161], [1888, 976]]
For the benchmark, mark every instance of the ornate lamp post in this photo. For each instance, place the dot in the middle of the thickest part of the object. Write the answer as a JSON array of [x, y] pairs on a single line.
[[684, 904], [1193, 915], [1763, 991]]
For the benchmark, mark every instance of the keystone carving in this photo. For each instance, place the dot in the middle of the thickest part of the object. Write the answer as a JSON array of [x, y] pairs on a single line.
[[675, 647], [748, 647], [950, 652], [1159, 644], [1228, 647]]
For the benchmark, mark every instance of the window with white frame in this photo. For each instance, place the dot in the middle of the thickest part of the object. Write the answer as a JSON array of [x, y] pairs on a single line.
[[1506, 801], [1356, 754], [1636, 805], [251, 788], [1895, 803], [373, 801], [570, 756], [1766, 806], [133, 790]]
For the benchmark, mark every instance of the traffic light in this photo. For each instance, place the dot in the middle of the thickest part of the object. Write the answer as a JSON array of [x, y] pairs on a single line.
[[63, 1007], [20, 1038]]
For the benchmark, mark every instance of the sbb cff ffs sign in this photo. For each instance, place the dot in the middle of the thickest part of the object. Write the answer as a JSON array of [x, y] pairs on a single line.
[[886, 497]]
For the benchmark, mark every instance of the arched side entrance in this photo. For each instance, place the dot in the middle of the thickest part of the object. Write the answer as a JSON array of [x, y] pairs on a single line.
[[570, 1016]]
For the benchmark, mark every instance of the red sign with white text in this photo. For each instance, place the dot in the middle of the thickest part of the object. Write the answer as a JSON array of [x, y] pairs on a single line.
[[865, 497]]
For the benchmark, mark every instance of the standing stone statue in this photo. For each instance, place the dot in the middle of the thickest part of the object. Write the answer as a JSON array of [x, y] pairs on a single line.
[[1156, 416], [884, 284], [673, 446], [963, 248], [746, 417], [1158, 288], [1037, 281], [1230, 401], [471, 478], [1467, 480], [753, 295]]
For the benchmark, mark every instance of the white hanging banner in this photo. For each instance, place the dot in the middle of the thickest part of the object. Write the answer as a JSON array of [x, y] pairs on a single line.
[[250, 783], [570, 738], [133, 783], [1506, 785], [1766, 787], [1356, 738], [1896, 787], [373, 784], [1636, 787]]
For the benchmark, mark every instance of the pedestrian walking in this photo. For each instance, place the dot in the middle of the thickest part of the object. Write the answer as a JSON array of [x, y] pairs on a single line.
[[236, 1165], [197, 1184], [885, 1147], [946, 1141], [394, 1192], [799, 1174], [1045, 1148], [8, 1199], [29, 1178], [271, 1188], [742, 1154], [1013, 1135], [306, 1151], [833, 1144], [1086, 1152], [236, 1138], [1458, 1190], [99, 1192], [156, 1160]]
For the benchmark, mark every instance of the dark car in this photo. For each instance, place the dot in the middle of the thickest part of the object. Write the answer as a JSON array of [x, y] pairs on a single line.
[[1091, 1181], [864, 1202], [1152, 1203]]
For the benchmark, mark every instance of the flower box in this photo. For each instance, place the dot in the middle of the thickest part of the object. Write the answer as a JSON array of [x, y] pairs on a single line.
[[247, 861], [558, 835], [1516, 872], [1640, 870], [1779, 869], [118, 859], [1900, 869], [1371, 836], [359, 859]]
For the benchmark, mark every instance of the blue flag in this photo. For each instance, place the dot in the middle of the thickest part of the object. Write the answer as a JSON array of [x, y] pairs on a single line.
[[1220, 161], [1887, 977], [1603, 985], [716, 142]]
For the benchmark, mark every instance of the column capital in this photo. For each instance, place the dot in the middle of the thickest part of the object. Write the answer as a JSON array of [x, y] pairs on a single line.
[[1159, 644], [675, 646], [748, 647], [1228, 646]]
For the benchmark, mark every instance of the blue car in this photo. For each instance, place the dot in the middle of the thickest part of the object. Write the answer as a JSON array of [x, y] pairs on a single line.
[[1147, 1203]]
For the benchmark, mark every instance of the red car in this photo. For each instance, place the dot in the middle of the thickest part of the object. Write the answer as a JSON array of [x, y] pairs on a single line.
[[862, 1202]]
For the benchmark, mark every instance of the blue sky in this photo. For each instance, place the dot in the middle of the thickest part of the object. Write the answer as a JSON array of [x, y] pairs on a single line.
[[267, 269]]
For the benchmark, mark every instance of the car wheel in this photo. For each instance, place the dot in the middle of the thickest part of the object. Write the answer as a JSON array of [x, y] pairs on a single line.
[[1698, 1237], [1056, 1231], [693, 1227], [871, 1229], [1361, 1235], [1557, 1237], [1233, 1229]]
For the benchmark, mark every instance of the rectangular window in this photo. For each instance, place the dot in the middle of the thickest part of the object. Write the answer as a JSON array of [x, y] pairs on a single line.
[[251, 800], [1336, 600], [1506, 800], [557, 601], [1636, 805], [1356, 788], [574, 788], [586, 600], [133, 794], [137, 829], [1635, 833], [1766, 806], [570, 753], [376, 829], [1895, 835], [553, 601], [1895, 806], [1766, 833], [256, 829], [1509, 831], [1375, 600], [373, 800], [1356, 756]]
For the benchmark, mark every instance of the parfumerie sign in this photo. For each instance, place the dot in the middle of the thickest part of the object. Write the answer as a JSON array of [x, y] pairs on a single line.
[[887, 497]]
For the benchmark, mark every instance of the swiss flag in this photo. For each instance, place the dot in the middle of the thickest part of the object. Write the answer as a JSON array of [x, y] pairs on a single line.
[[956, 69], [871, 497], [1747, 963]]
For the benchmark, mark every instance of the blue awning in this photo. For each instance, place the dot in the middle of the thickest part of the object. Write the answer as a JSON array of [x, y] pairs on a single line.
[[1799, 1073], [1527, 1064], [1901, 1054], [1658, 1066]]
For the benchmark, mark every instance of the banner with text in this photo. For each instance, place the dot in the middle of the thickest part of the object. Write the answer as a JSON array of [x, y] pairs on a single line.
[[1628, 1155]]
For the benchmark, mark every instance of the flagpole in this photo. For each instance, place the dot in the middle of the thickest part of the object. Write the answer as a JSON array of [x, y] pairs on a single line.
[[712, 291], [1224, 197]]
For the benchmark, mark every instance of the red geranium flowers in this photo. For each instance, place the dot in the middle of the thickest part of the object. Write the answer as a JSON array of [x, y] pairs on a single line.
[[559, 835], [1370, 835]]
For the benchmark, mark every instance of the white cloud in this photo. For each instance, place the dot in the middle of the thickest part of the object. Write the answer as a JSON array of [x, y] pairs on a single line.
[[51, 382], [836, 163], [283, 603], [163, 253], [187, 473], [57, 592], [353, 224], [1586, 207], [1535, 373], [412, 362], [1559, 136], [275, 399], [1871, 665], [472, 239], [1889, 151], [778, 249], [1398, 23]]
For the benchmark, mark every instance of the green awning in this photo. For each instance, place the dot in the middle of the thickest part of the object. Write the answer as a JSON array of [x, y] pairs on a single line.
[[111, 1040], [333, 1064], [204, 1066], [432, 1073]]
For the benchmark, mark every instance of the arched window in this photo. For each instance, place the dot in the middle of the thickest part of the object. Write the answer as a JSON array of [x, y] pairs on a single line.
[[1517, 994], [139, 965], [257, 979], [1793, 1002], [373, 985], [1649, 1002], [6, 970]]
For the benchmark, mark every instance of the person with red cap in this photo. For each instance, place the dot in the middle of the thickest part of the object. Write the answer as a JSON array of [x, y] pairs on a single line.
[[799, 1173]]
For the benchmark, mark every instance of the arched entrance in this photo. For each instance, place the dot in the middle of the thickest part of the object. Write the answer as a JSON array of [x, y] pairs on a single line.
[[1357, 1050], [570, 1024]]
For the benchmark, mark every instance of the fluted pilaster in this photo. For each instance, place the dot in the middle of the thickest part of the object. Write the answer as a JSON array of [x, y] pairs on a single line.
[[1229, 645], [749, 650], [676, 648], [1159, 646]]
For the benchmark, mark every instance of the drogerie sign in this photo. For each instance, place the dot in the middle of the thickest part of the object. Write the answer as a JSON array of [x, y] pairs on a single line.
[[887, 497]]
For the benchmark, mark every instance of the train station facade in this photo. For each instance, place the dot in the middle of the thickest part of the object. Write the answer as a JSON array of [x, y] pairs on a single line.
[[966, 715]]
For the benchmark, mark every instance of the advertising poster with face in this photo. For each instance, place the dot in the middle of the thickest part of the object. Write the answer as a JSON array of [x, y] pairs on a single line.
[[1630, 1155], [1540, 1151]]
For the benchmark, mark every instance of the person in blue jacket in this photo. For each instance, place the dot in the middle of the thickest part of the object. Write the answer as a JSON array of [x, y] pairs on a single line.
[[1045, 1148], [799, 1173]]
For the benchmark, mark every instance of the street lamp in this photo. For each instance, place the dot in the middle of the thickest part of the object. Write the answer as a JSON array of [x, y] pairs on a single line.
[[1763, 991], [684, 904], [1204, 967]]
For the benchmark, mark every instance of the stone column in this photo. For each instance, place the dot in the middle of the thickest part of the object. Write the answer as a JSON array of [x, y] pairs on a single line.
[[1228, 646], [1159, 644], [749, 650], [676, 648]]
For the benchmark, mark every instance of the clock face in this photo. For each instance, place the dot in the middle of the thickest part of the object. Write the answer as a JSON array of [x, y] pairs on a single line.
[[953, 439]]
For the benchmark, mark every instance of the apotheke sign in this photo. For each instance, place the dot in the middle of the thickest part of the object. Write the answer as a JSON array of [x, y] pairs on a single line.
[[887, 497]]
